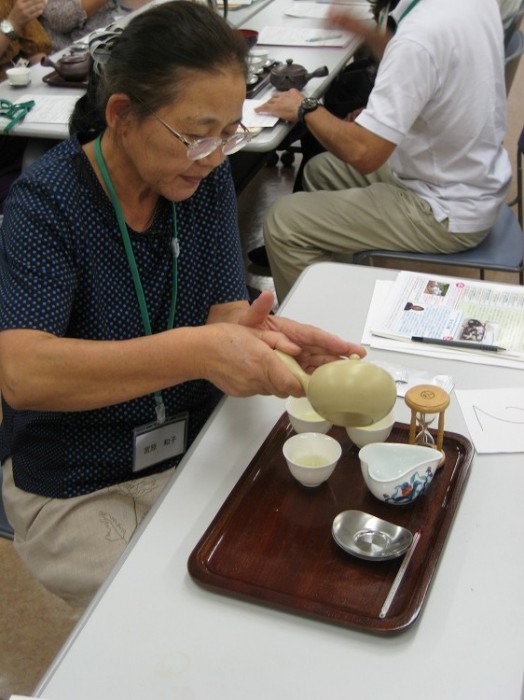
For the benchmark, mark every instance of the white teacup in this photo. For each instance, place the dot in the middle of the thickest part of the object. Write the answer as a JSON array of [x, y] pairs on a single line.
[[311, 457], [18, 76], [376, 432], [304, 418], [255, 64], [259, 56]]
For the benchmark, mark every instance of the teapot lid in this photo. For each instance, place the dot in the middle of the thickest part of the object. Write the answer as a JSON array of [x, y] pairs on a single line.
[[288, 68], [75, 58]]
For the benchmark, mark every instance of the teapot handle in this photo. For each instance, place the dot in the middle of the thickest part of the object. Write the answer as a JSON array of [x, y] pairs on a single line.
[[318, 73], [295, 368]]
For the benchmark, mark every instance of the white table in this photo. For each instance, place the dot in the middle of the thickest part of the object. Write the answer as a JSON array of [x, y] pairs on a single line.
[[256, 16], [152, 632]]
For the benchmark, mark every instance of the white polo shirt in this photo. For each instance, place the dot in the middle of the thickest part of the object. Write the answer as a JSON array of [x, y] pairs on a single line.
[[440, 96]]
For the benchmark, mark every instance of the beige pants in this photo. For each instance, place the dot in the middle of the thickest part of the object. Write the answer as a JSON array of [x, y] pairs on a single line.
[[343, 212], [70, 545]]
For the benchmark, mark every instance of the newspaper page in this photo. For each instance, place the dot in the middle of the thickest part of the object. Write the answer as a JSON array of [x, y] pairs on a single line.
[[445, 308]]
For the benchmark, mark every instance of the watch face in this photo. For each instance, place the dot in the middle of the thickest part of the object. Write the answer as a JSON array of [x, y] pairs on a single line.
[[7, 28], [310, 103]]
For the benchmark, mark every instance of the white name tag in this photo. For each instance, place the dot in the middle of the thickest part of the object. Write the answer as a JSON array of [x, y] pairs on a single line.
[[155, 443]]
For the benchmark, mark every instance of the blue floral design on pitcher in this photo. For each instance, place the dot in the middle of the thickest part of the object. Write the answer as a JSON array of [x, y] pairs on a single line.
[[409, 490]]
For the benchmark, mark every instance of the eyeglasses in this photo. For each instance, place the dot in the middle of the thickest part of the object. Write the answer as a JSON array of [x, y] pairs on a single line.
[[201, 148]]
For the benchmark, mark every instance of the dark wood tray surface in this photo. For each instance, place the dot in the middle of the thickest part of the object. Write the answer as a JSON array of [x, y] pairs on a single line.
[[261, 84], [271, 540], [56, 80]]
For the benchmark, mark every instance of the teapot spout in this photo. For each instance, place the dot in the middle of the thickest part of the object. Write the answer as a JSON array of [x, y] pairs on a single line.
[[46, 61]]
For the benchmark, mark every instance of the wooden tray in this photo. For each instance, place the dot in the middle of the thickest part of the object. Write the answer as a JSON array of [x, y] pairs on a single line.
[[261, 84], [271, 540], [56, 80]]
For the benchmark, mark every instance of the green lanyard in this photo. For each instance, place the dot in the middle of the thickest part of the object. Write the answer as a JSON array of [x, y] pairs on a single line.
[[382, 18], [408, 10], [160, 408]]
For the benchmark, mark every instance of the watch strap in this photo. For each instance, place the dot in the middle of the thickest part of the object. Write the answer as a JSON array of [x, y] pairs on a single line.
[[309, 104], [8, 30]]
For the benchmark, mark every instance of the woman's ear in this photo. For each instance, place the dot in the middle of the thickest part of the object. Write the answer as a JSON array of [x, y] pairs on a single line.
[[117, 110]]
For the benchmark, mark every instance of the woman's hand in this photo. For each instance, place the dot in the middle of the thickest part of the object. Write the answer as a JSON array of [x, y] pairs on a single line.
[[24, 11], [311, 346]]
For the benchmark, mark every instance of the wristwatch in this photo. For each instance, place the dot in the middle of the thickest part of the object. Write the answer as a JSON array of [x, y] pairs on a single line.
[[7, 28], [309, 104]]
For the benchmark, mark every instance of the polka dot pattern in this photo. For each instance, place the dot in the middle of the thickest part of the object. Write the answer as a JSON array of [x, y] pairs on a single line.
[[63, 270]]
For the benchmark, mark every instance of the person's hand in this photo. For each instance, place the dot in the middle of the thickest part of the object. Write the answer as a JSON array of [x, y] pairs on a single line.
[[311, 346], [340, 19], [24, 11], [371, 34], [283, 105]]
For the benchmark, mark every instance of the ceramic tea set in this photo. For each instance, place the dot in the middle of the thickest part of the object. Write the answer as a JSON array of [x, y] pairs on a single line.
[[360, 396], [72, 67]]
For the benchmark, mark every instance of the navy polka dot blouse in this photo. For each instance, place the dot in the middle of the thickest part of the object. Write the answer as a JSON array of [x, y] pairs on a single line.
[[63, 270]]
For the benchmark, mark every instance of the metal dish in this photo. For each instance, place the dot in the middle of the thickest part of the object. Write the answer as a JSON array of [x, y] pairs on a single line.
[[368, 537]]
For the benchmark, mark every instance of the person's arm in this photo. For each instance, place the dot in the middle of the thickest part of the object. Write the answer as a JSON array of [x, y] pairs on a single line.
[[63, 16], [375, 37], [234, 351], [23, 11], [348, 141], [40, 371]]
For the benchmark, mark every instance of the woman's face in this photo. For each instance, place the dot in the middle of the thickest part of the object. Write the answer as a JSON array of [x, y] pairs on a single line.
[[209, 105]]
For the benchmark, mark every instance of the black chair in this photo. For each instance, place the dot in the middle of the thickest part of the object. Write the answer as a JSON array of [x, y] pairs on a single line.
[[513, 54], [5, 528], [502, 249]]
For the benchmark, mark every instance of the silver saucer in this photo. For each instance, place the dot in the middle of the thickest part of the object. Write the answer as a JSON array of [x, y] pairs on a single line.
[[368, 537]]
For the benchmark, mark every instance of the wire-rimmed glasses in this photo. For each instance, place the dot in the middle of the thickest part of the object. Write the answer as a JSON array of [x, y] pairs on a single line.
[[202, 147]]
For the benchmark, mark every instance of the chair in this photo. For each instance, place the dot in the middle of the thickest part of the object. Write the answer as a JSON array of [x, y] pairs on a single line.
[[5, 528], [514, 24], [513, 54], [502, 249]]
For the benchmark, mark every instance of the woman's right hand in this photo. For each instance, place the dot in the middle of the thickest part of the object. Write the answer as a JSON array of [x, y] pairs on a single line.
[[242, 362], [24, 11]]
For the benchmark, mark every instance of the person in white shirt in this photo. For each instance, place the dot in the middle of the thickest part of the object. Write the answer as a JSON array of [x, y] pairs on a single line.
[[423, 167]]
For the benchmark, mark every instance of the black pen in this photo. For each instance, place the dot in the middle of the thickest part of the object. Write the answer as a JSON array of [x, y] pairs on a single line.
[[457, 344]]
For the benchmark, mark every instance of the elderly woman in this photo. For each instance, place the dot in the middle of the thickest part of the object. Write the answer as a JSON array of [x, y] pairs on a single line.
[[123, 311]]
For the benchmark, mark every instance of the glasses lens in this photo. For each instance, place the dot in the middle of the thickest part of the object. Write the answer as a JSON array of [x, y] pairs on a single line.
[[235, 143], [202, 148]]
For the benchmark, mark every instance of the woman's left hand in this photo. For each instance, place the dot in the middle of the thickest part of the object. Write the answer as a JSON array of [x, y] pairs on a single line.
[[311, 346]]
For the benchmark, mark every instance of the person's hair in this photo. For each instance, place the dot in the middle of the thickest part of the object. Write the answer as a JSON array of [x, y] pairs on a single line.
[[152, 58], [378, 5]]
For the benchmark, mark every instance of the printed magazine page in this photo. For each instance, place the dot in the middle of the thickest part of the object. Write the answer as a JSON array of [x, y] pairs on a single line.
[[431, 306]]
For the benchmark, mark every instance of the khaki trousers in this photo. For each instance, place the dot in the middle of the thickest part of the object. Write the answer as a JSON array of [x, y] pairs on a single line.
[[343, 212], [70, 545]]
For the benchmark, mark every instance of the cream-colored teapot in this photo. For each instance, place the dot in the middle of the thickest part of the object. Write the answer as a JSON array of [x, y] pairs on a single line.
[[349, 392]]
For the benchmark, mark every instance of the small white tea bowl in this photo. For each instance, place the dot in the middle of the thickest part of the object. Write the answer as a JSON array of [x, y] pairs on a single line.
[[304, 418], [18, 76], [311, 457], [376, 432], [396, 472], [259, 56]]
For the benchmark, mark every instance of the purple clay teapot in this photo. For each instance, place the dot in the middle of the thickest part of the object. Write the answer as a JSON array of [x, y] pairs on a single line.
[[72, 67], [285, 76]]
